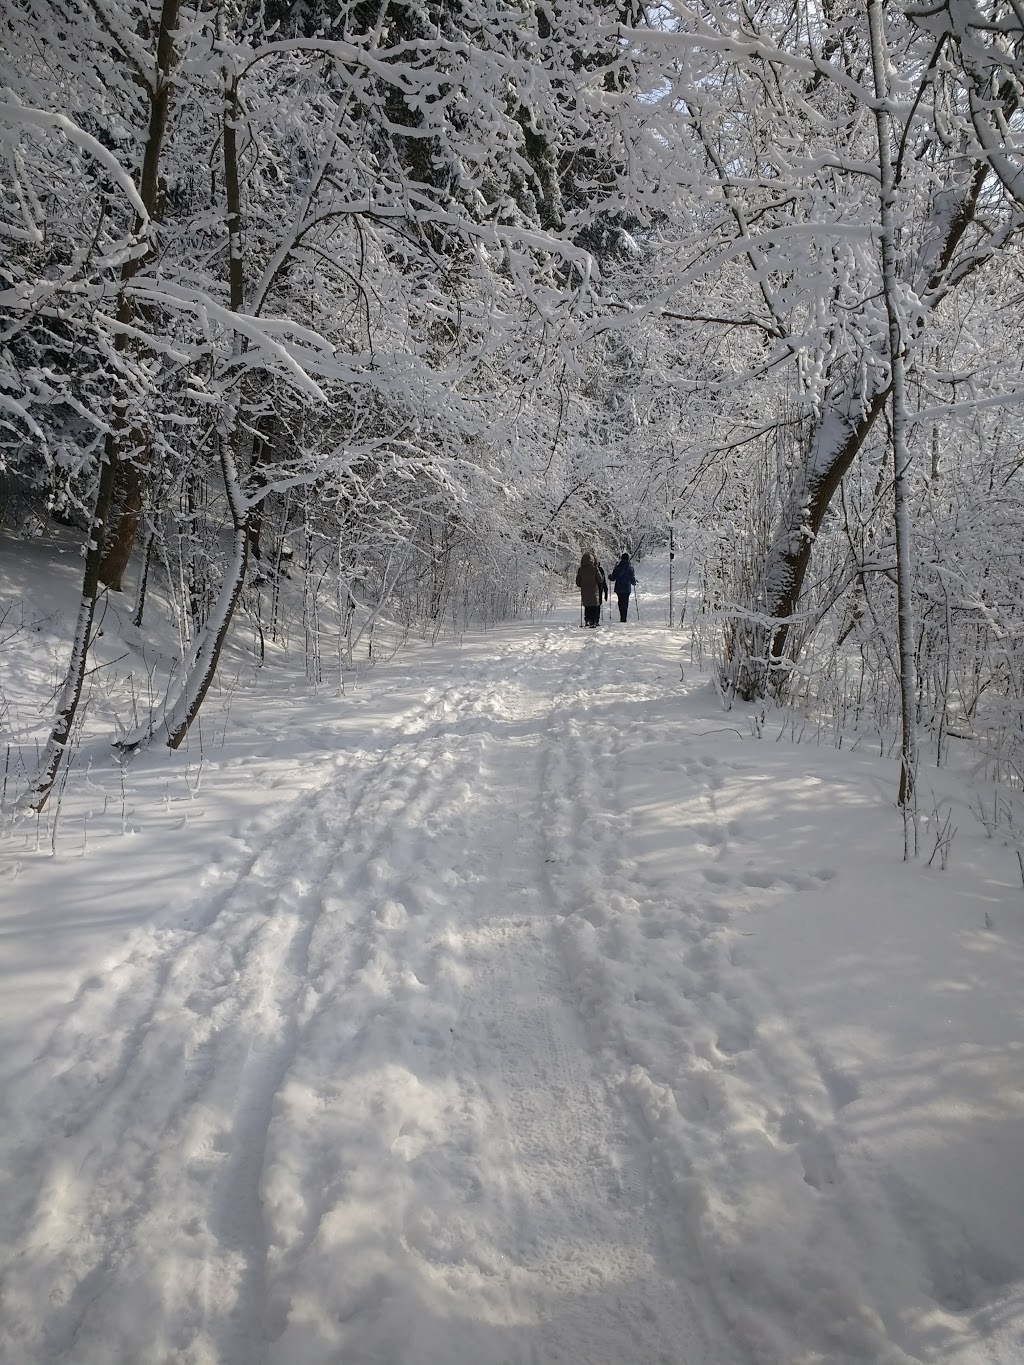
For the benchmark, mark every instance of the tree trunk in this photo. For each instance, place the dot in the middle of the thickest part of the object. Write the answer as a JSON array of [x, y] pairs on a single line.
[[140, 595], [127, 499], [71, 691], [671, 561], [130, 471], [200, 667], [900, 452], [207, 653], [759, 644], [92, 577]]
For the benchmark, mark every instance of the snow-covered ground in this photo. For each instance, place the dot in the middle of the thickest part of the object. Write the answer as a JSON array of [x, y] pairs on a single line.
[[518, 1007]]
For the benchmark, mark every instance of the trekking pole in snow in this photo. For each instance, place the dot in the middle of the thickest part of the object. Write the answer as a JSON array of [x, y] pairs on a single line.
[[636, 603]]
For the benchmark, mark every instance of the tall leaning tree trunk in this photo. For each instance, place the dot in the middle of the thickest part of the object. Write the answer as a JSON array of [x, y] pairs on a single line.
[[953, 245], [849, 413], [888, 189], [160, 92], [200, 666]]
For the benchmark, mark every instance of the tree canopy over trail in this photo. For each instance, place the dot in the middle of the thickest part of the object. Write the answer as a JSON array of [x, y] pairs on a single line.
[[413, 301]]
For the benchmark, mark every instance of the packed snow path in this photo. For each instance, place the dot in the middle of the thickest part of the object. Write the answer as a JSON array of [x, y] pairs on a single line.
[[455, 1059]]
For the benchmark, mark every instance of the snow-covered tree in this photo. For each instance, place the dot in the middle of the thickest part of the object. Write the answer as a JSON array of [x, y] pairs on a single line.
[[775, 118], [299, 244]]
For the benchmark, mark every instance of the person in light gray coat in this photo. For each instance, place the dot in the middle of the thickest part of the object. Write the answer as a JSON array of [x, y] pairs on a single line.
[[593, 588]]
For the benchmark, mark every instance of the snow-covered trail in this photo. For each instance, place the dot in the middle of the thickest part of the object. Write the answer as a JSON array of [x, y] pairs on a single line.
[[346, 1109], [489, 1046]]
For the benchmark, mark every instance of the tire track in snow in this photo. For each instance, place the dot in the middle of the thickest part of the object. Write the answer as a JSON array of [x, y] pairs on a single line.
[[162, 1076], [204, 1023], [378, 1184]]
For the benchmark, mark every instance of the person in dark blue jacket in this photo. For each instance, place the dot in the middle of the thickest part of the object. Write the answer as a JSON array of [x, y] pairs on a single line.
[[623, 579]]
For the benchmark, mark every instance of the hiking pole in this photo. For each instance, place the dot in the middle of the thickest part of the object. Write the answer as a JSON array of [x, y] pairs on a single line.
[[636, 603]]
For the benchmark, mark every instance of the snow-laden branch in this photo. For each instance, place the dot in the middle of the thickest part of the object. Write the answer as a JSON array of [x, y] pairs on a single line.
[[967, 409], [262, 332], [12, 112]]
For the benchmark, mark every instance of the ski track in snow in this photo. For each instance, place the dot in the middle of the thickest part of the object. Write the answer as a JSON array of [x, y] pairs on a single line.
[[435, 1070]]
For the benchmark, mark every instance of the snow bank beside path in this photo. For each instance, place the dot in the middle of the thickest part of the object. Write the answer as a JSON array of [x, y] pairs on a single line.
[[520, 1007], [824, 1043]]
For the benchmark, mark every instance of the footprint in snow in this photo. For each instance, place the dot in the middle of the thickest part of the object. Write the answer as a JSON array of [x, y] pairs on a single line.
[[708, 834], [755, 876], [766, 880], [814, 1149], [842, 1089], [655, 929], [390, 913], [732, 1041]]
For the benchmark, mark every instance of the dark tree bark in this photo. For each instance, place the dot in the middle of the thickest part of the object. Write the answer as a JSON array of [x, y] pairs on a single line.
[[132, 457], [835, 442], [117, 439]]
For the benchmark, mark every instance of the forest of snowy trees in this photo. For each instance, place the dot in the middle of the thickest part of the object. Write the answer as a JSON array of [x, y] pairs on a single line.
[[412, 300]]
